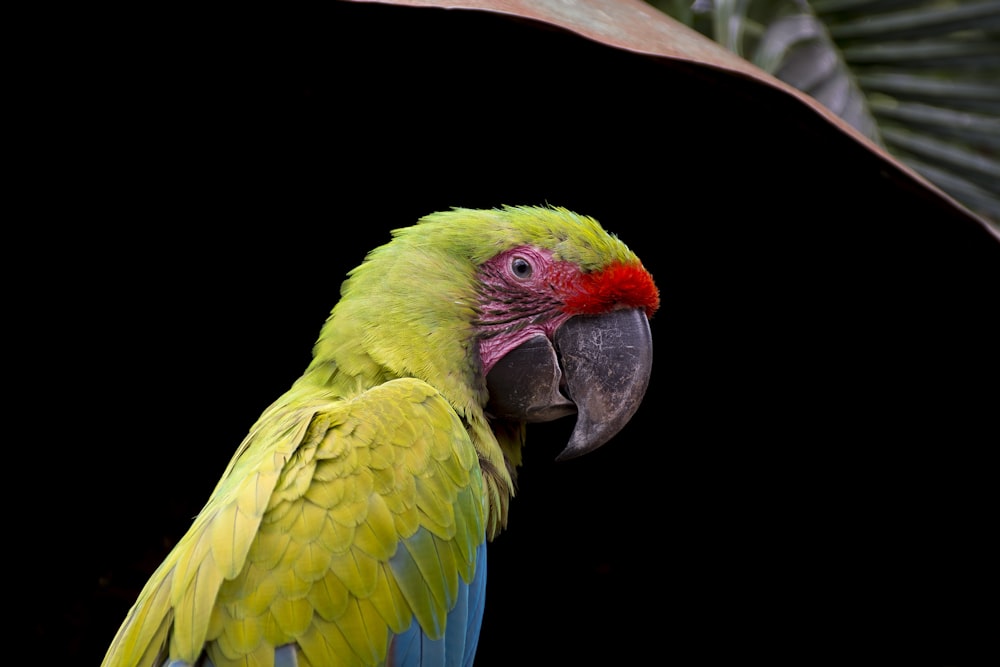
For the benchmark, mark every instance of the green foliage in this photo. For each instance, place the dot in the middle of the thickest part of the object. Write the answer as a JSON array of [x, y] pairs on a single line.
[[920, 77]]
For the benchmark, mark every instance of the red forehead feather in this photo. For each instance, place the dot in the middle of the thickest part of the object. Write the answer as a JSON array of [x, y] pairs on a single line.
[[628, 285]]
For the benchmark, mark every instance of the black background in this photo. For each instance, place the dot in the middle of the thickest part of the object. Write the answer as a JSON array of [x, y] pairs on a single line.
[[809, 474]]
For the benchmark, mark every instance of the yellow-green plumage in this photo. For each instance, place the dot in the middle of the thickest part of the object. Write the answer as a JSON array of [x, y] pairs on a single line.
[[317, 554], [355, 511]]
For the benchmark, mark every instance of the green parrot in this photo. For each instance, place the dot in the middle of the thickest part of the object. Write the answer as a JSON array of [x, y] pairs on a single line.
[[350, 526]]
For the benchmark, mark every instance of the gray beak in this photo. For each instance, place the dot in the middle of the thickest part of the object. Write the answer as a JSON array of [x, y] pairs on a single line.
[[599, 369]]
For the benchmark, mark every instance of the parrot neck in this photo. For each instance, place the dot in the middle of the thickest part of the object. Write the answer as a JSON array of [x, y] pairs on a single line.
[[499, 455]]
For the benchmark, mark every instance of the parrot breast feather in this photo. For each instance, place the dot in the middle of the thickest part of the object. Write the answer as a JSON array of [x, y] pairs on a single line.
[[338, 525]]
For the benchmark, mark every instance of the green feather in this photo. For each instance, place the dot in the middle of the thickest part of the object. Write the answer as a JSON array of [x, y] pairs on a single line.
[[329, 596]]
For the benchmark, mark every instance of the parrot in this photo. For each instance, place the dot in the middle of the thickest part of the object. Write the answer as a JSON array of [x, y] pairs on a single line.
[[351, 525]]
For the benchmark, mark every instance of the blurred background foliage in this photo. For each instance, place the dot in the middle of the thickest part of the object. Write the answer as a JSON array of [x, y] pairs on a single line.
[[919, 77]]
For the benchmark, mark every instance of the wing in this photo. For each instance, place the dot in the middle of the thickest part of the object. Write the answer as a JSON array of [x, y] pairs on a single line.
[[349, 532]]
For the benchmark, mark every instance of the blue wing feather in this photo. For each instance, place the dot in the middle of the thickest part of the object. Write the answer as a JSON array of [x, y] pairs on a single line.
[[457, 648], [476, 604]]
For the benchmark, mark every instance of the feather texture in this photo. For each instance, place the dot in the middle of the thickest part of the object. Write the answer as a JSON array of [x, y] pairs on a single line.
[[325, 566]]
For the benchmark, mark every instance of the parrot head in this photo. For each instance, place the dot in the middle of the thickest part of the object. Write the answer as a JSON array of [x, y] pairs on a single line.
[[516, 315], [558, 337]]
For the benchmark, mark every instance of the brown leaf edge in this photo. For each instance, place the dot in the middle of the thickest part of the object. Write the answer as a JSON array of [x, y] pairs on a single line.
[[633, 25]]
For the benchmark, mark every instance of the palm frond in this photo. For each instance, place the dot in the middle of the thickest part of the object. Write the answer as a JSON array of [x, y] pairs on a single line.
[[919, 77]]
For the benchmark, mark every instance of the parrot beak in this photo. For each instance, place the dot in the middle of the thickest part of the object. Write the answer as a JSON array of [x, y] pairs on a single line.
[[599, 369]]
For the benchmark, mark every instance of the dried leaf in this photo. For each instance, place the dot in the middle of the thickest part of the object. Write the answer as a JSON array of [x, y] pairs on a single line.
[[636, 26]]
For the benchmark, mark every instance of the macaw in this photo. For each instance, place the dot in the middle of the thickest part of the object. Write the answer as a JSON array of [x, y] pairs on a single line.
[[350, 526]]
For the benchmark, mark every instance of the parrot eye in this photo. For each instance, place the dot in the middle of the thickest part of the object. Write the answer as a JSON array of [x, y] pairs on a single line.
[[521, 268]]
